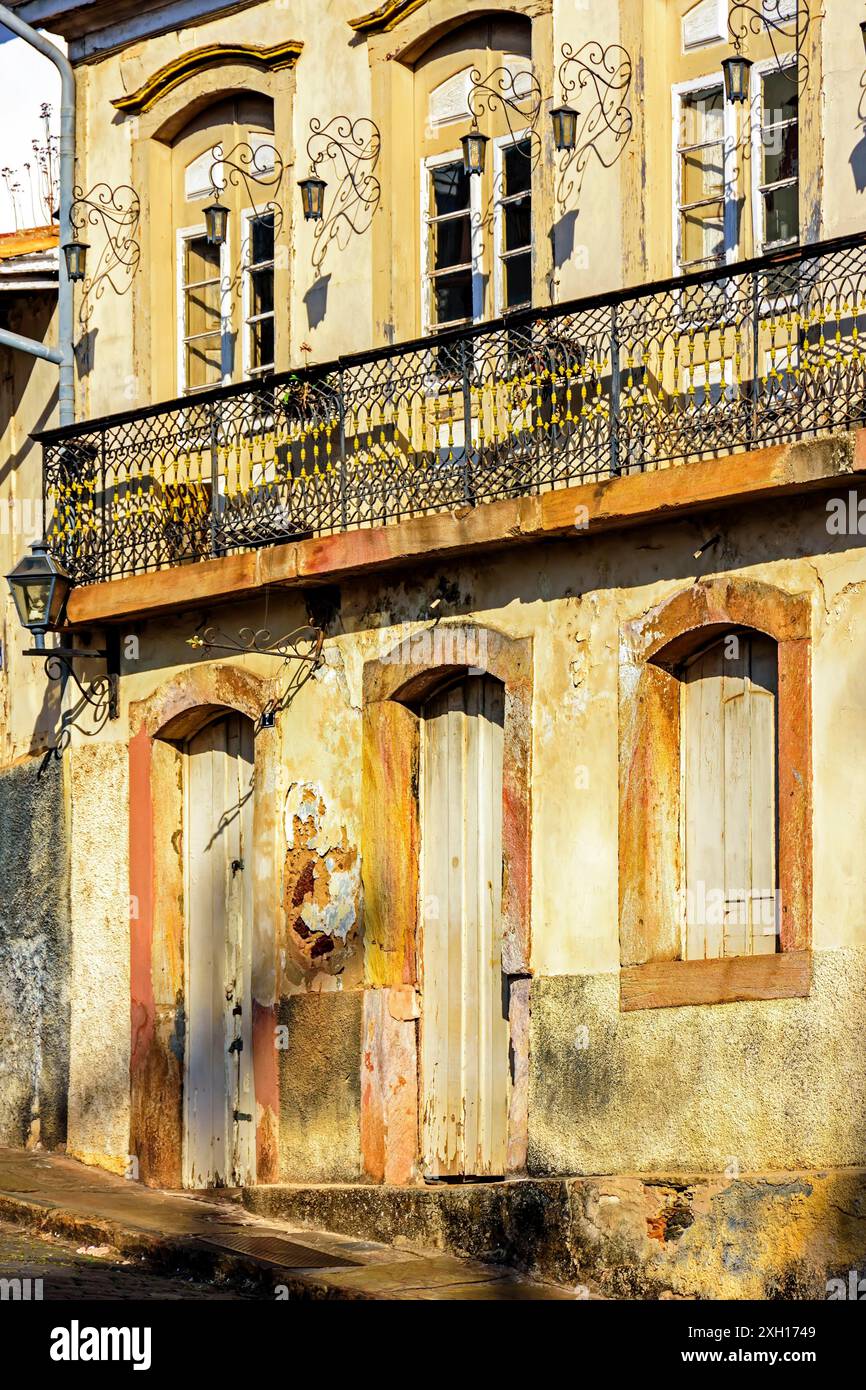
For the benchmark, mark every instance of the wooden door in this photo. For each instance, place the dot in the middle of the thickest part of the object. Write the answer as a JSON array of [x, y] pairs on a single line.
[[464, 1016], [219, 1105], [729, 798]]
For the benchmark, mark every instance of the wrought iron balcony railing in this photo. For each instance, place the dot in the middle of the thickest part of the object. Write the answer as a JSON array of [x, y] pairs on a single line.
[[692, 367]]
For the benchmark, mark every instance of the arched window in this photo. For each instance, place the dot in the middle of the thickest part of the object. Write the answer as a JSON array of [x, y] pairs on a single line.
[[225, 294], [476, 231]]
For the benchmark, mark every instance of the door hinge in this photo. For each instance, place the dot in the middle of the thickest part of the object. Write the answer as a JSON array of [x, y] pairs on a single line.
[[239, 1115], [238, 1009], [237, 864], [236, 1045]]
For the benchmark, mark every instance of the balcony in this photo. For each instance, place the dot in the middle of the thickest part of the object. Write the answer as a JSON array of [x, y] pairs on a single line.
[[696, 367]]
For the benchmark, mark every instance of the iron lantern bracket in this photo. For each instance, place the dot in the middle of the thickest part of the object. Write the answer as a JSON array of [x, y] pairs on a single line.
[[101, 693]]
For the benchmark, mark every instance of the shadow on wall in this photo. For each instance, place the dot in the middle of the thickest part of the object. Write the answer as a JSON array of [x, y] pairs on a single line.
[[857, 158]]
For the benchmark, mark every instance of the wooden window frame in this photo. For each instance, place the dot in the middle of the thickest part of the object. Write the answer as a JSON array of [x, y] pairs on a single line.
[[653, 973], [679, 91], [185, 234], [248, 268], [760, 189], [428, 221], [500, 203]]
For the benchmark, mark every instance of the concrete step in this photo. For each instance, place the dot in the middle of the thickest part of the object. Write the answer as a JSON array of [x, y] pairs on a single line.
[[213, 1239]]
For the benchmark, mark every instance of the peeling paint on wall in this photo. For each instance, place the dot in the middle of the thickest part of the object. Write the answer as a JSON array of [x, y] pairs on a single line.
[[321, 890]]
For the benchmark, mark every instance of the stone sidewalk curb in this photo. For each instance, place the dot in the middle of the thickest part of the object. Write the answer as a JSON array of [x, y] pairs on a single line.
[[165, 1254]]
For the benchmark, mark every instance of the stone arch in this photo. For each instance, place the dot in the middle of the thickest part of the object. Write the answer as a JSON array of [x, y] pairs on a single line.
[[172, 109]]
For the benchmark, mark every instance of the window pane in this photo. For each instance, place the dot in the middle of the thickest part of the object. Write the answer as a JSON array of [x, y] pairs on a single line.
[[782, 219], [518, 281], [452, 243], [517, 169], [262, 239], [262, 343], [450, 189], [779, 92], [518, 224], [262, 292], [204, 362], [702, 175], [202, 260], [202, 309], [703, 234], [780, 154], [452, 295], [703, 117]]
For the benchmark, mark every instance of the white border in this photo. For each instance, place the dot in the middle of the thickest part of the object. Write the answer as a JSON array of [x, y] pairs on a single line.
[[729, 145], [185, 234], [500, 144], [755, 116], [477, 243]]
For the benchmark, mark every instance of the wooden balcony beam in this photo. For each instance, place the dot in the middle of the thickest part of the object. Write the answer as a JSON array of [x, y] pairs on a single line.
[[638, 499]]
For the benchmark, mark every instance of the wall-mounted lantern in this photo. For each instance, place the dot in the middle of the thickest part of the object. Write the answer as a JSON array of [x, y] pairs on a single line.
[[312, 197], [40, 588], [736, 70], [564, 127], [75, 256], [216, 221], [474, 150]]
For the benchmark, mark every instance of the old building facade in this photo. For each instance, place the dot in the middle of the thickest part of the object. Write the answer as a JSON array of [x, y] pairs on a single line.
[[533, 854]]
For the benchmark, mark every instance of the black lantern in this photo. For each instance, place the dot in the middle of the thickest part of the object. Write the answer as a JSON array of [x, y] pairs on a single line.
[[40, 588], [216, 221], [474, 150], [736, 70], [312, 197], [75, 256], [564, 127]]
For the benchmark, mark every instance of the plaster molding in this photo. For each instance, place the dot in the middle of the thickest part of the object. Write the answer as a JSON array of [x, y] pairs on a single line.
[[385, 17], [188, 65]]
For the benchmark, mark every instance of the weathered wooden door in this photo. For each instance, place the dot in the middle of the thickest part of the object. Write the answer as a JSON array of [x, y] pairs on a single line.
[[729, 798], [219, 1129], [464, 1015]]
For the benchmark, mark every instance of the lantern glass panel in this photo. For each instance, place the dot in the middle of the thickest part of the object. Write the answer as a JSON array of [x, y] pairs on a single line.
[[564, 127]]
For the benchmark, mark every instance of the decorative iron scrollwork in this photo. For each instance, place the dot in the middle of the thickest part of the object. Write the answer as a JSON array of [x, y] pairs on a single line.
[[256, 169], [602, 84], [301, 648], [517, 93], [253, 168], [101, 694], [783, 22], [353, 148], [117, 213]]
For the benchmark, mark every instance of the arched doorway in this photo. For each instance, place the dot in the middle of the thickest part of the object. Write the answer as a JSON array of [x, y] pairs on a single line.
[[464, 1055], [219, 1100]]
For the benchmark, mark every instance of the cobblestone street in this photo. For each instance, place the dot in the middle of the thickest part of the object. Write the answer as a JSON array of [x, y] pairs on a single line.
[[67, 1272]]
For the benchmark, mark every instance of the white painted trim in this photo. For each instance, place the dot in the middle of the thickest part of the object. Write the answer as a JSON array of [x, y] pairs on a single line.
[[755, 116], [500, 144], [729, 144], [477, 242], [185, 234]]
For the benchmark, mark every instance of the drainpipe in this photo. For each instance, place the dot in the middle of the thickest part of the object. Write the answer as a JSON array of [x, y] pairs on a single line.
[[63, 355]]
